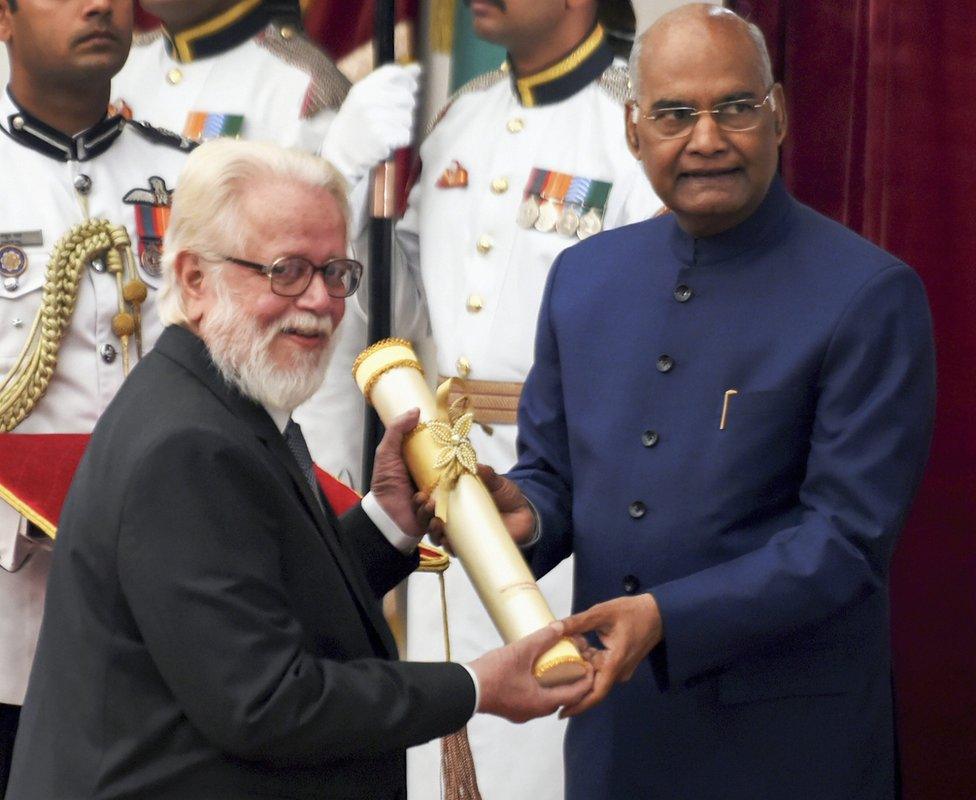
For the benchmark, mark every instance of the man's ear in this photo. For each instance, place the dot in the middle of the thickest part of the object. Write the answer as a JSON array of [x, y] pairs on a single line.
[[5, 23], [192, 284], [631, 119], [778, 104]]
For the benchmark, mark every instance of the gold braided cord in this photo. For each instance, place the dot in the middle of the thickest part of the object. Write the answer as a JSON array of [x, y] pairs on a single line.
[[459, 777], [376, 347], [23, 387]]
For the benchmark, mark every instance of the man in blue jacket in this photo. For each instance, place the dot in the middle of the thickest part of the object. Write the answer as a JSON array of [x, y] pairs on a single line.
[[728, 415]]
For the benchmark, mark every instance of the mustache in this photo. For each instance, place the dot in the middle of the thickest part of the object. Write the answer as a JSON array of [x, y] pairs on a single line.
[[97, 30], [499, 4], [305, 322]]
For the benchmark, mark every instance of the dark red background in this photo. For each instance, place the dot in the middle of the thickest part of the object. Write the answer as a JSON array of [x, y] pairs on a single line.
[[882, 137]]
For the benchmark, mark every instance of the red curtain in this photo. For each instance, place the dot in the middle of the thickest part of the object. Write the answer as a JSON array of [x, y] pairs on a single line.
[[882, 117]]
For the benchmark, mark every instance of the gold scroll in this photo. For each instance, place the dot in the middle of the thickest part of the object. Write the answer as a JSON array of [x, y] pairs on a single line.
[[441, 461]]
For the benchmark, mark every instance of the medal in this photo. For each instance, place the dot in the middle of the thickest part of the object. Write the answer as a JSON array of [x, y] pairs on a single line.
[[528, 212], [568, 222], [575, 195], [596, 200], [13, 263], [151, 257], [556, 186], [591, 222], [548, 217], [152, 208]]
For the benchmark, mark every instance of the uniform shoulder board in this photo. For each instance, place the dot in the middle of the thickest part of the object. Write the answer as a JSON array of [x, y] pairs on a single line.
[[161, 136], [328, 87], [615, 81], [144, 38], [477, 84]]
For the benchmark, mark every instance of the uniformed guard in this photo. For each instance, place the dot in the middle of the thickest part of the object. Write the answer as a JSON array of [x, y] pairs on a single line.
[[522, 163], [245, 68], [84, 199]]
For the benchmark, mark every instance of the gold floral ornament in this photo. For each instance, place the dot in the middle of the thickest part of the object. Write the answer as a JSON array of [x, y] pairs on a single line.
[[457, 453]]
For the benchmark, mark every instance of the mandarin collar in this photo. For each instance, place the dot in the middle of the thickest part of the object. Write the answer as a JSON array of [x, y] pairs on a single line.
[[767, 222], [573, 72], [220, 33], [29, 131]]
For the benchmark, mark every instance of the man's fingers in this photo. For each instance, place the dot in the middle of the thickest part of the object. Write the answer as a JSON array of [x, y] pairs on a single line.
[[535, 644], [571, 694], [404, 423], [602, 684], [489, 477], [584, 621]]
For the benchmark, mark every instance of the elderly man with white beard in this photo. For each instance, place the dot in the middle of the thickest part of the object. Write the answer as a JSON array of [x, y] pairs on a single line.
[[212, 628]]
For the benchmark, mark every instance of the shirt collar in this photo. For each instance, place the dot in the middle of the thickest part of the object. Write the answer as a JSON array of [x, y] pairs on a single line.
[[218, 34], [280, 416], [29, 131], [573, 72], [765, 223]]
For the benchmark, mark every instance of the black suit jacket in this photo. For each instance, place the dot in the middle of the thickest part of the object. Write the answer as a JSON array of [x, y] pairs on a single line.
[[209, 631]]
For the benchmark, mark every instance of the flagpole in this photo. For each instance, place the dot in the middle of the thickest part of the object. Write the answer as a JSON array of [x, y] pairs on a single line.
[[381, 221]]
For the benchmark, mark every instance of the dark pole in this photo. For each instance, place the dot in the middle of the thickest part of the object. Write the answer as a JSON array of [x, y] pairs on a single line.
[[380, 239]]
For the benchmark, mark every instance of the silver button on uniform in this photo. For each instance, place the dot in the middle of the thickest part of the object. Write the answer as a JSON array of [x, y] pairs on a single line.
[[108, 353], [82, 183]]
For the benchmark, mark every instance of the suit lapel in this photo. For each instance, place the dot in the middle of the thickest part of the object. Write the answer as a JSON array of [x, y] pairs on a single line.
[[184, 347]]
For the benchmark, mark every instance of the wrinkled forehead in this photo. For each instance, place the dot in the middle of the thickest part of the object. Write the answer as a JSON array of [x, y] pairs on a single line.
[[700, 61]]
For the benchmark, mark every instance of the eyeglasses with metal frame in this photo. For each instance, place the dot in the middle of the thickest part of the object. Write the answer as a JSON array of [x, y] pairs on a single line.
[[290, 276], [734, 116]]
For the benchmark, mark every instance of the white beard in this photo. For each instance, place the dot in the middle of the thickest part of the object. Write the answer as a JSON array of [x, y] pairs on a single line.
[[241, 350]]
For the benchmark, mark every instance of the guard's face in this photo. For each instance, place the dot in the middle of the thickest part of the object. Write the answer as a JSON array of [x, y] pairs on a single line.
[[281, 219], [712, 179], [508, 22], [67, 42]]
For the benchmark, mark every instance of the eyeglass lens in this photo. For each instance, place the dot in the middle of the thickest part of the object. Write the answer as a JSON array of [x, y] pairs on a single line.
[[292, 275], [735, 116]]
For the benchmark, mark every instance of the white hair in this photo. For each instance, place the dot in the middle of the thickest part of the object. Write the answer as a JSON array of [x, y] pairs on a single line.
[[715, 12], [206, 216]]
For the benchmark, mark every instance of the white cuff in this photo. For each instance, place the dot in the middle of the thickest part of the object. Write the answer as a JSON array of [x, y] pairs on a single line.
[[396, 537], [538, 527], [477, 688]]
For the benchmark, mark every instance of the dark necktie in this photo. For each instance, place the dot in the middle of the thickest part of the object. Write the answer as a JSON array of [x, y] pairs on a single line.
[[299, 450]]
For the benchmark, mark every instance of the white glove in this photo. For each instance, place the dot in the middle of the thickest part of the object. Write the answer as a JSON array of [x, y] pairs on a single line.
[[375, 119]]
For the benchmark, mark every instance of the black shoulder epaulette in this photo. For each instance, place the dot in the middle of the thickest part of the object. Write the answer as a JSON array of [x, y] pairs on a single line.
[[144, 38], [327, 86], [615, 81], [477, 84], [161, 136]]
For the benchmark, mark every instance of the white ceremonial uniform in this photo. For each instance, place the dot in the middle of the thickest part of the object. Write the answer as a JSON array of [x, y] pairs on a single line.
[[284, 88], [483, 275], [263, 79], [50, 183]]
